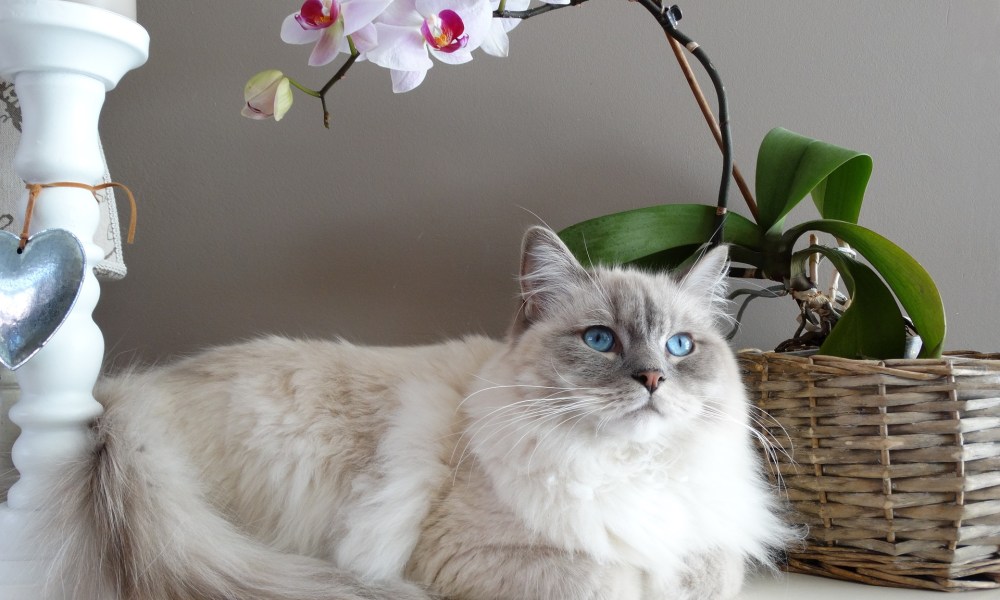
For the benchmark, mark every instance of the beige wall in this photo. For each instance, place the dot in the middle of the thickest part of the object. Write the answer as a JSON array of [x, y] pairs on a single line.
[[401, 224]]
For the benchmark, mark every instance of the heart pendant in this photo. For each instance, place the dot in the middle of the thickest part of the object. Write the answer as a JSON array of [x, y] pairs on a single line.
[[38, 288]]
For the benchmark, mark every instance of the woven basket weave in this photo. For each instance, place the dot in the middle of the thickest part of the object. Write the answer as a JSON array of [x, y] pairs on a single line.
[[894, 466]]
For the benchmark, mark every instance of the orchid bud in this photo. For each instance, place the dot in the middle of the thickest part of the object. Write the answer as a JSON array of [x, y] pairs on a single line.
[[267, 94]]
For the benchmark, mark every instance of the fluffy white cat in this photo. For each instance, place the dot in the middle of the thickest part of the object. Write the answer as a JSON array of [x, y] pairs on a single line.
[[601, 452]]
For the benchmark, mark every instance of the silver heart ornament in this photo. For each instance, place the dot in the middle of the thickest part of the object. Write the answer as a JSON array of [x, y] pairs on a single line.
[[38, 288]]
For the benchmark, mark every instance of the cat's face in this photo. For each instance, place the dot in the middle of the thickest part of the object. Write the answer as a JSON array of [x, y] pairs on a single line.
[[620, 352]]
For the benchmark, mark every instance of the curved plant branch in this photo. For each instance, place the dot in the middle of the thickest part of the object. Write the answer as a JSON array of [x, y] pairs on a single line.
[[531, 12], [713, 125], [668, 17]]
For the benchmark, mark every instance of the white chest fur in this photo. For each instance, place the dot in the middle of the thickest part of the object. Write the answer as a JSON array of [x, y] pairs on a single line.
[[626, 505], [645, 505]]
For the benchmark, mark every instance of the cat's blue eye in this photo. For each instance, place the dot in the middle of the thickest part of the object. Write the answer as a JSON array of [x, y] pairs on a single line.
[[599, 338], [680, 344]]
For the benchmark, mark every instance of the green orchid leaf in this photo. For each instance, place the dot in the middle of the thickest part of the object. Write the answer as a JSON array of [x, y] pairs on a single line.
[[667, 260], [683, 257], [654, 235], [790, 166], [908, 280], [872, 327]]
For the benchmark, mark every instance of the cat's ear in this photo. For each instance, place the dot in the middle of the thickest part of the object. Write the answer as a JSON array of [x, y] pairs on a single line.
[[707, 277], [549, 272]]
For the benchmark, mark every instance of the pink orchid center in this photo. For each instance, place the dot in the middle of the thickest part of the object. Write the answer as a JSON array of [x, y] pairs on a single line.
[[445, 31], [318, 14]]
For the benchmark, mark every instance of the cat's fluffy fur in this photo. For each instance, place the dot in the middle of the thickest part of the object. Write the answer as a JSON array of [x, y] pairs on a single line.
[[530, 468]]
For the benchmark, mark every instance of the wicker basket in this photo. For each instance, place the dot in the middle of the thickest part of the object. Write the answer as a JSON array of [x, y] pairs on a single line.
[[894, 466]]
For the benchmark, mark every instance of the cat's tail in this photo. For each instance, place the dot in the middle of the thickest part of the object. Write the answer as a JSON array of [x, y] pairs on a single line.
[[134, 526]]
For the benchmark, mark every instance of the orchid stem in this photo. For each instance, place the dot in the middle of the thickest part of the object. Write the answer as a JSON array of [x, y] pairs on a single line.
[[341, 72], [532, 12], [304, 89]]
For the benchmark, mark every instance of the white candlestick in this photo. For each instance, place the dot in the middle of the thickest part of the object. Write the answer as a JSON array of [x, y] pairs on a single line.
[[62, 57]]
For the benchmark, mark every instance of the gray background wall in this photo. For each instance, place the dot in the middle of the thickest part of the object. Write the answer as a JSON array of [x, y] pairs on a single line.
[[402, 223]]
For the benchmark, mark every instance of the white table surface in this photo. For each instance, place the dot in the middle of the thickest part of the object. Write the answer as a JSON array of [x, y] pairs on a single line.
[[799, 587]]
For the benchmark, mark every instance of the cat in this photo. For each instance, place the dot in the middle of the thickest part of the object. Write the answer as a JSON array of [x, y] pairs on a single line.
[[602, 451]]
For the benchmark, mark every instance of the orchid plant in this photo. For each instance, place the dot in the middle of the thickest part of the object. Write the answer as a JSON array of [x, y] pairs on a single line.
[[890, 297], [407, 37]]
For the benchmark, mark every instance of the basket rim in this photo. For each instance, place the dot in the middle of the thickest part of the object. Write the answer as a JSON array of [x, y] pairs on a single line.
[[947, 358]]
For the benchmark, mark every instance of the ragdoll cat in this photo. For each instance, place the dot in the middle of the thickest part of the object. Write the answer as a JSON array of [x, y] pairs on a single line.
[[601, 452]]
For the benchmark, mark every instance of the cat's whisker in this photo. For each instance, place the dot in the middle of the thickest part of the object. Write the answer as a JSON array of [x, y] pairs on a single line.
[[542, 410], [539, 422], [770, 451], [597, 283], [497, 386], [475, 427], [769, 439], [519, 420], [768, 443], [763, 423], [551, 404], [578, 418], [514, 405], [787, 452], [540, 441], [604, 421], [531, 426], [601, 289], [552, 365], [490, 420]]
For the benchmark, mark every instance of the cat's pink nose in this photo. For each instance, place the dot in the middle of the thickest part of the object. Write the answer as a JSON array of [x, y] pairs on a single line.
[[650, 379]]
